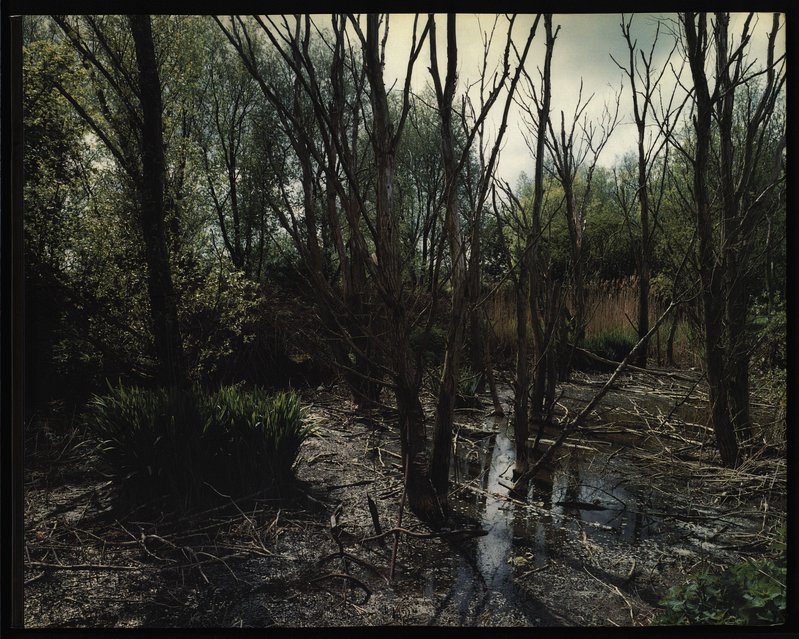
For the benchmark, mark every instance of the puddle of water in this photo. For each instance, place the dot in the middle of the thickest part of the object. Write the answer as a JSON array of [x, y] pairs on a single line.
[[579, 491]]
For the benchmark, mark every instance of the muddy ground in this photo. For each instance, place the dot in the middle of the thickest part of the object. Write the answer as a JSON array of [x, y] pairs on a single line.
[[631, 505]]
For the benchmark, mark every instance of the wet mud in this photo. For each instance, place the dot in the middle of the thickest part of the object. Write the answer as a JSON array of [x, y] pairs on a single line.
[[627, 508]]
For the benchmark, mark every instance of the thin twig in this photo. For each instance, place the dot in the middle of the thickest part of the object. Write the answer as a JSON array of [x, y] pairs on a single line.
[[399, 519]]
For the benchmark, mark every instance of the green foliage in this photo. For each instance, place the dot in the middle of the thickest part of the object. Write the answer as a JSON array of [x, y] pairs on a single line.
[[159, 442], [433, 344], [752, 592], [771, 328], [466, 393], [148, 441], [613, 344], [468, 381], [253, 438]]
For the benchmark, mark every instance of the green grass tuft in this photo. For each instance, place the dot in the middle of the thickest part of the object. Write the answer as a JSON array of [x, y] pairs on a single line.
[[157, 443]]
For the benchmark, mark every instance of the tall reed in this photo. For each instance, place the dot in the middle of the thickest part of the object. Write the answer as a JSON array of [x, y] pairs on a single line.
[[612, 310]]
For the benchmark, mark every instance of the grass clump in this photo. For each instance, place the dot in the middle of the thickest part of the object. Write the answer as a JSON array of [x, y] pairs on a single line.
[[157, 443], [613, 344], [253, 439], [752, 592]]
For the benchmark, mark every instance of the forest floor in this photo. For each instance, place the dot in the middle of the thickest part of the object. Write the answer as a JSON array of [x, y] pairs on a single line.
[[633, 503]]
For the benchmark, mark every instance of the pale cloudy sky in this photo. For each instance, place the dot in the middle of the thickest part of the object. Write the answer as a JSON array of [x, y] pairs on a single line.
[[582, 51]]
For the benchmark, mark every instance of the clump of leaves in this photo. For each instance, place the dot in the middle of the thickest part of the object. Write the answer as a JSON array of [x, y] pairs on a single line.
[[432, 344], [158, 442], [751, 592]]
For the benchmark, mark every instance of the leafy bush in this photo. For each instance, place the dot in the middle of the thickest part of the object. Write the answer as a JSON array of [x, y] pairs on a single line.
[[466, 395], [158, 442], [433, 345], [771, 330], [752, 592]]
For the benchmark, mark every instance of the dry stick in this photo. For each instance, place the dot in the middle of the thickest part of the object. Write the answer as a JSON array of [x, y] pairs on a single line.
[[399, 518], [615, 589], [374, 513], [583, 414], [343, 575], [362, 482], [43, 564], [655, 372], [473, 532], [253, 529]]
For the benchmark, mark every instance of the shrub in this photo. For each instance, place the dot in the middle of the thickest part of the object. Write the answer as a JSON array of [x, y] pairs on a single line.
[[432, 344], [253, 439], [466, 393], [752, 592], [613, 344], [158, 442], [146, 441]]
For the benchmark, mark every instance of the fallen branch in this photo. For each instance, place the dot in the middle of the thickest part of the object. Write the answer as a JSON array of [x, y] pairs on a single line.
[[469, 532], [353, 558], [572, 426], [399, 519], [655, 372], [535, 570], [342, 575], [362, 482], [43, 564]]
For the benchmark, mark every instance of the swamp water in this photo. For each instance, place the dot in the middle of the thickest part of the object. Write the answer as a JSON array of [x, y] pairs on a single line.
[[580, 495]]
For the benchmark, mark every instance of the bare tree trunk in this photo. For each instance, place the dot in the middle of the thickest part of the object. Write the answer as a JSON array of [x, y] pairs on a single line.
[[163, 304], [644, 269], [542, 353], [711, 277], [445, 405], [521, 387], [422, 497], [670, 340]]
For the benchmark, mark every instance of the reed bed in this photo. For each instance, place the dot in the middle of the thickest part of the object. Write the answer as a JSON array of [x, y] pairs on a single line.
[[612, 311]]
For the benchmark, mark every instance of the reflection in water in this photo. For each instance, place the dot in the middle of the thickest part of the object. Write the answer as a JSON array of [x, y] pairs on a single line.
[[578, 487], [494, 549]]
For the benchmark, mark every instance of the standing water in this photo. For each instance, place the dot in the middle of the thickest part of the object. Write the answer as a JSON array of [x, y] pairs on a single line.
[[578, 492]]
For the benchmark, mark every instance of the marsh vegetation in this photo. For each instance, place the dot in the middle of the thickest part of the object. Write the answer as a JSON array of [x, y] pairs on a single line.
[[298, 354]]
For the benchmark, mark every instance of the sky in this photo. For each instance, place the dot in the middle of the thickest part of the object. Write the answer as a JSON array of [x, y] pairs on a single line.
[[582, 51]]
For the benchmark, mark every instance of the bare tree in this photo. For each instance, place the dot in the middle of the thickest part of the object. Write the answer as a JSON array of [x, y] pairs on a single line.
[[453, 165], [328, 139], [739, 183], [529, 286], [644, 81], [575, 149]]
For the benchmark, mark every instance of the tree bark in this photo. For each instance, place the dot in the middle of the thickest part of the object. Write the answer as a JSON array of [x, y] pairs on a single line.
[[521, 386], [445, 404], [542, 360], [163, 304], [710, 274], [422, 498]]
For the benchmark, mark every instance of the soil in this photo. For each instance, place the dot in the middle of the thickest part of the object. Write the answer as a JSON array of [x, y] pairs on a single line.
[[633, 503]]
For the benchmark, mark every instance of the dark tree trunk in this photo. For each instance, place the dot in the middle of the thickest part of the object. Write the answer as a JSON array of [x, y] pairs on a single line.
[[670, 340], [521, 386], [163, 305], [710, 274], [445, 405], [543, 355], [644, 270], [421, 495]]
